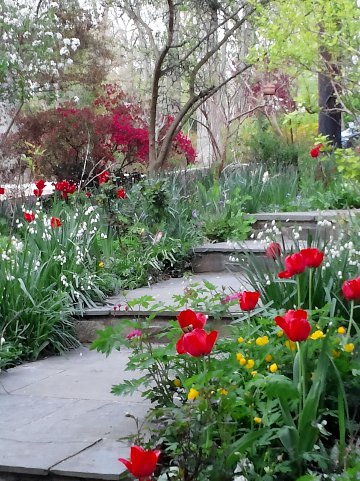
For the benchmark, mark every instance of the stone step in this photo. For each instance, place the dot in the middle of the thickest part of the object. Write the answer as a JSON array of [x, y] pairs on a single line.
[[162, 294], [215, 257]]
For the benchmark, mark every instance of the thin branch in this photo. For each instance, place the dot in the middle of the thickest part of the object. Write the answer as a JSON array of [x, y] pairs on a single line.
[[242, 114]]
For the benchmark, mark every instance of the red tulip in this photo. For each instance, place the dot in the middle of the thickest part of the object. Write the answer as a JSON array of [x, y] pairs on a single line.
[[273, 250], [189, 320], [38, 192], [121, 194], [248, 300], [88, 194], [29, 216], [351, 289], [312, 256], [295, 325], [142, 463], [315, 152], [2, 190], [55, 222], [196, 343], [103, 177], [294, 264], [40, 184]]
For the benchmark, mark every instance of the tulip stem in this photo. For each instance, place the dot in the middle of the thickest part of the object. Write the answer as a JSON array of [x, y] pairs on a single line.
[[298, 292], [302, 374], [310, 292], [351, 321]]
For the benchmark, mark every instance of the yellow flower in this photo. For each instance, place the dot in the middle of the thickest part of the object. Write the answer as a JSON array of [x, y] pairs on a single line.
[[262, 341], [341, 330], [273, 367], [177, 382], [349, 347], [101, 264], [240, 340], [193, 394], [239, 356], [250, 364], [280, 333], [257, 420], [290, 345], [317, 335], [253, 373], [223, 391], [242, 361], [335, 353], [268, 358]]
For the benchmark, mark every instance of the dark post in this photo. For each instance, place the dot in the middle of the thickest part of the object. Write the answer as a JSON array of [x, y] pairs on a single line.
[[330, 113]]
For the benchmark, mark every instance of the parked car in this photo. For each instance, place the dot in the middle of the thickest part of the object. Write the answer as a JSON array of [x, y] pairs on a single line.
[[351, 136]]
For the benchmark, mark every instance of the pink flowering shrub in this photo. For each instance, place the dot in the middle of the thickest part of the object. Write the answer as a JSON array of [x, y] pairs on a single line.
[[79, 143]]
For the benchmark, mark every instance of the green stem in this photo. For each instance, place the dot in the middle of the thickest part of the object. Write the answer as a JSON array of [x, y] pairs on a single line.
[[310, 292], [298, 291], [302, 377], [351, 321]]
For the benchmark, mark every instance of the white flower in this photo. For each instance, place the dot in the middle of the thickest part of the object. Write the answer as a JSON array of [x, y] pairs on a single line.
[[2, 341]]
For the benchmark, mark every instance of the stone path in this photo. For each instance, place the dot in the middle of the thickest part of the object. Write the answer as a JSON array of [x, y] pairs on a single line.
[[164, 291], [59, 417]]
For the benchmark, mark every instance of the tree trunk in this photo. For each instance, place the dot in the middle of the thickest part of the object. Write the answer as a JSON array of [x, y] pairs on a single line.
[[330, 113]]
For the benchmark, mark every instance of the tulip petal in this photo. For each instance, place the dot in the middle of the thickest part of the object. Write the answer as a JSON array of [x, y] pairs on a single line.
[[210, 340], [195, 342], [280, 321], [284, 275], [187, 318], [180, 345], [127, 463]]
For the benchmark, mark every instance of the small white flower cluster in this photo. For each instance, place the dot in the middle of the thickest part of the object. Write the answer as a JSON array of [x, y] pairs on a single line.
[[42, 32], [80, 256], [61, 258], [6, 255], [267, 235]]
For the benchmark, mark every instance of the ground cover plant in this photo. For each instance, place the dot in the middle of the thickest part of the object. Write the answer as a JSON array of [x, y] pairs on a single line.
[[274, 399]]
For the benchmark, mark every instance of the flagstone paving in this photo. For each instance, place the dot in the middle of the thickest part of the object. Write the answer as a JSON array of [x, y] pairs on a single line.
[[58, 416], [59, 420]]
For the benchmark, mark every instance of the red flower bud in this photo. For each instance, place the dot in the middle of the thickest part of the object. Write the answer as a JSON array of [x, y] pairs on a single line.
[[248, 300], [351, 289], [312, 257], [294, 264], [121, 194], [142, 463], [29, 216], [40, 184], [196, 343], [55, 222], [315, 152], [295, 325], [191, 319], [273, 250]]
